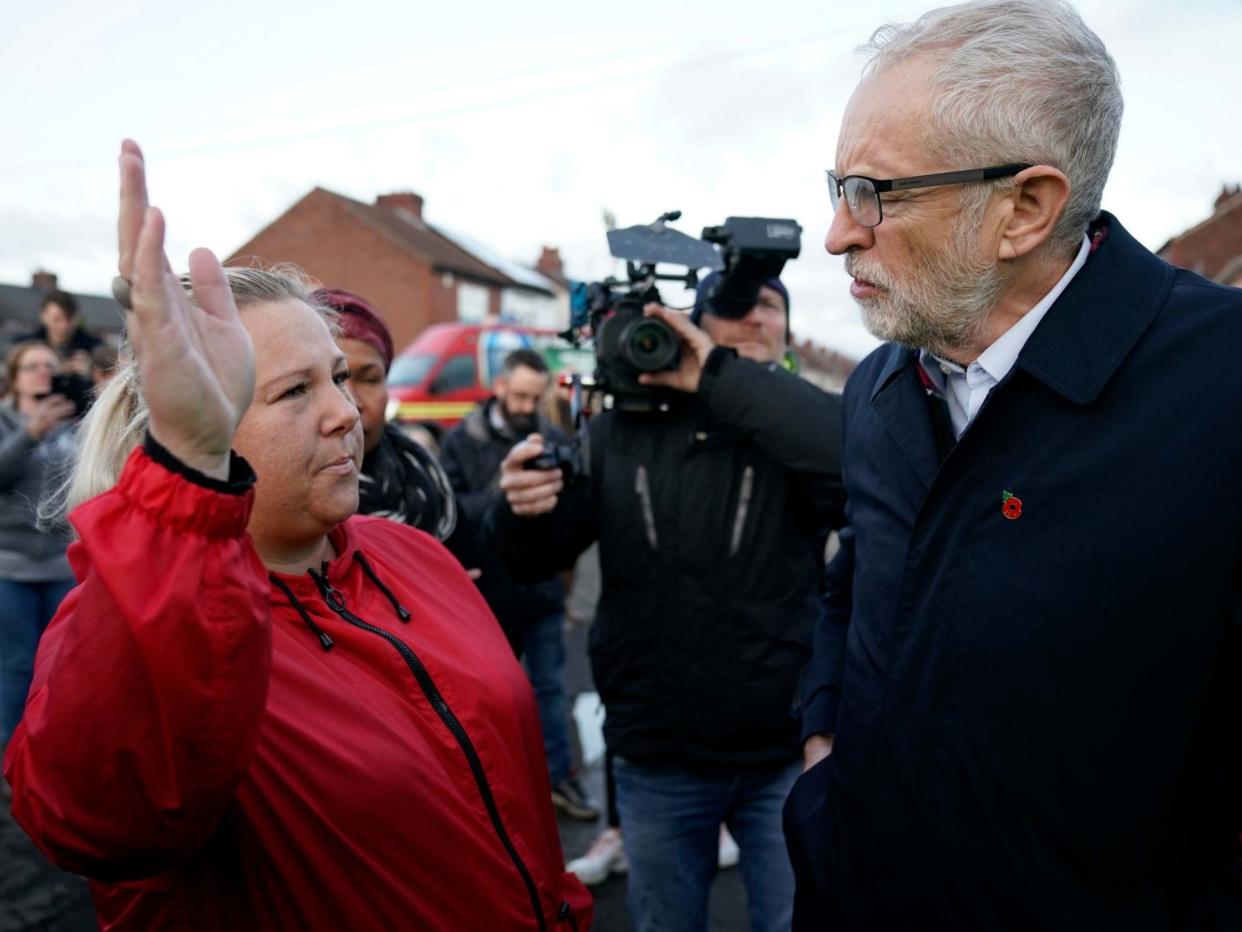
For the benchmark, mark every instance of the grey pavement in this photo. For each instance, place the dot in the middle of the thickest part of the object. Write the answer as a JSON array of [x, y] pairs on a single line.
[[34, 896], [728, 899], [727, 906]]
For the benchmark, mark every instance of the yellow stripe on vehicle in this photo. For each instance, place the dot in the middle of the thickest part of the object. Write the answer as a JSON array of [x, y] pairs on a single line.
[[433, 410]]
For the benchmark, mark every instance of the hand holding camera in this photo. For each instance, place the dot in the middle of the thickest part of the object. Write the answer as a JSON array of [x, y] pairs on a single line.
[[695, 347], [642, 348], [50, 411], [529, 492], [79, 363]]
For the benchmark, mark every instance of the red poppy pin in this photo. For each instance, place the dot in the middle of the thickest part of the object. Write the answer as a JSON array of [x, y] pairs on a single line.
[[1011, 506]]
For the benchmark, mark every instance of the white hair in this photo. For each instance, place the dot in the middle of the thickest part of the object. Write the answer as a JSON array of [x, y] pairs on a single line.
[[1017, 81]]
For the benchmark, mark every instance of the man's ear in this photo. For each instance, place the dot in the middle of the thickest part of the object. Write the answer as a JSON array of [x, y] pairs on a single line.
[[1033, 208]]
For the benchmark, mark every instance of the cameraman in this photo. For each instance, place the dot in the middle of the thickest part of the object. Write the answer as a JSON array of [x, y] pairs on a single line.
[[711, 513]]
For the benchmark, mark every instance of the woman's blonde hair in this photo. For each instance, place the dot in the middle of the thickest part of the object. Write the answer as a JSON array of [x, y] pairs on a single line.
[[117, 421]]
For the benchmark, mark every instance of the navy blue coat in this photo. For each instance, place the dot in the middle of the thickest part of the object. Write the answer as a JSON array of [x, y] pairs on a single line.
[[1038, 717]]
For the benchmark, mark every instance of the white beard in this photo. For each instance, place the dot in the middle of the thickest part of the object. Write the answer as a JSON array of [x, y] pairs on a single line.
[[940, 301]]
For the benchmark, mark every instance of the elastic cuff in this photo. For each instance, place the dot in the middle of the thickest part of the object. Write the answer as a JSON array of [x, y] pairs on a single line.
[[819, 714], [241, 476]]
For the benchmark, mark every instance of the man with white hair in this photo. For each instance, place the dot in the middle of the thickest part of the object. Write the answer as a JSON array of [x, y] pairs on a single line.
[[1025, 708]]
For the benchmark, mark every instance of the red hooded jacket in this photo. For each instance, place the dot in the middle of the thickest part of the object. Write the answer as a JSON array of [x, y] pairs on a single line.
[[219, 749]]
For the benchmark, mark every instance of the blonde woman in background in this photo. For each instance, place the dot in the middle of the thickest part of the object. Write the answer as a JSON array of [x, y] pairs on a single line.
[[36, 443]]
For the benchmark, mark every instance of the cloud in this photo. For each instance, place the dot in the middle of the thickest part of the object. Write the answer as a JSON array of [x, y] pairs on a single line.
[[75, 246], [711, 100]]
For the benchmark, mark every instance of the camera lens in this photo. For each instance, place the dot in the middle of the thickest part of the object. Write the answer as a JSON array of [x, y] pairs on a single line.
[[649, 345]]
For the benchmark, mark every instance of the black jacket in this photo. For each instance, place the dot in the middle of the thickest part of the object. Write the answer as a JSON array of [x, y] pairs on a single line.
[[471, 455], [79, 341], [710, 519], [1037, 709]]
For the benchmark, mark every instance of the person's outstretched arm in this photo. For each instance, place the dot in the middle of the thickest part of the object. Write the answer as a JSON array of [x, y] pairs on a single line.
[[796, 424], [151, 683]]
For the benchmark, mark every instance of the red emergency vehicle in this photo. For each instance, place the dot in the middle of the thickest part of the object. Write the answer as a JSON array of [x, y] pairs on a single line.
[[448, 369]]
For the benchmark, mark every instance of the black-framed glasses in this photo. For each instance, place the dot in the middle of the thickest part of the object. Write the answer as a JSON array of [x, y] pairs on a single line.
[[862, 194]]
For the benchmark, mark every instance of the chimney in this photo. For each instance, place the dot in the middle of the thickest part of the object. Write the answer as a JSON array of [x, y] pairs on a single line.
[[549, 263], [1226, 192], [43, 281], [404, 200]]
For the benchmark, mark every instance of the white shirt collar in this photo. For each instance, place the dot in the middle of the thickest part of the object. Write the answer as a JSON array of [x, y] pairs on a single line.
[[965, 389], [1001, 356]]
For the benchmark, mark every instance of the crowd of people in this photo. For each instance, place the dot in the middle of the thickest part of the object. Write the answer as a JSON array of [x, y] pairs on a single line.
[[305, 672]]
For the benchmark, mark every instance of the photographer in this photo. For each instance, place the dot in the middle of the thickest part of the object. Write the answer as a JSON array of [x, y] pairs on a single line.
[[36, 440], [710, 512], [472, 455]]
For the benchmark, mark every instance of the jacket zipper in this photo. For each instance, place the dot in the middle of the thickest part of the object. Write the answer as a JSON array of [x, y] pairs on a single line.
[[643, 489], [743, 506], [336, 602]]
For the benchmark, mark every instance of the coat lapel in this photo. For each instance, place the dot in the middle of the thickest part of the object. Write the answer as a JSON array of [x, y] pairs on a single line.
[[1099, 318], [1074, 351], [899, 400]]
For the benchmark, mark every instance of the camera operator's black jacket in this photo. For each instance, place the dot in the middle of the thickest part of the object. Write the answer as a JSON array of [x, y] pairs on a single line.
[[711, 519]]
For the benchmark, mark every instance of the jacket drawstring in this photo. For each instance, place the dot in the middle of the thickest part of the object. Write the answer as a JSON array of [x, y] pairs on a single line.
[[323, 636], [402, 612], [333, 597]]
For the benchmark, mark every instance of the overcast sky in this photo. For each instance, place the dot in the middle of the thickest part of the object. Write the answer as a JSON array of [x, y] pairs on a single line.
[[521, 123]]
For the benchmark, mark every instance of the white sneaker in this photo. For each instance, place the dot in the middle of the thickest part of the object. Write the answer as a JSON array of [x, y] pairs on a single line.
[[605, 856], [727, 855]]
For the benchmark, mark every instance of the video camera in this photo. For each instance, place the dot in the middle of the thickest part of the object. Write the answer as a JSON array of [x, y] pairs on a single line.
[[747, 251]]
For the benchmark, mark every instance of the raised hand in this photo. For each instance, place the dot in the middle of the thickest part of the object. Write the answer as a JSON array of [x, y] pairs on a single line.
[[195, 359]]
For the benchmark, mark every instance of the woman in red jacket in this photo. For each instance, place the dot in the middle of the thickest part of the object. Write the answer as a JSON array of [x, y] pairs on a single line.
[[257, 711]]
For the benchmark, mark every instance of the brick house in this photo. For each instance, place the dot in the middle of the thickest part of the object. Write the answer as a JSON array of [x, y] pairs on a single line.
[[415, 273], [827, 368], [1213, 248]]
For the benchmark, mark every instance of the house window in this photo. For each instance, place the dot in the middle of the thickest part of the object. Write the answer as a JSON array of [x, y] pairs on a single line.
[[471, 302], [533, 309], [457, 373]]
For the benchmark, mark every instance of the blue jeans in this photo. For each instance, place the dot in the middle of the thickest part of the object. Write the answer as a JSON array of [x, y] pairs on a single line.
[[544, 650], [670, 819], [25, 610]]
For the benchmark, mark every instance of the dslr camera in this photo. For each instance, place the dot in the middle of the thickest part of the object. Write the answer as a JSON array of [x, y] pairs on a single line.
[[745, 250]]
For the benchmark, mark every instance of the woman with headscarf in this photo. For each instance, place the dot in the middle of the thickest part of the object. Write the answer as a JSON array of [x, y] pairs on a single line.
[[400, 479]]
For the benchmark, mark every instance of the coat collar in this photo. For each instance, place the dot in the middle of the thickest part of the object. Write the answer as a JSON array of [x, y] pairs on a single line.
[[1075, 350], [895, 358], [1092, 327]]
